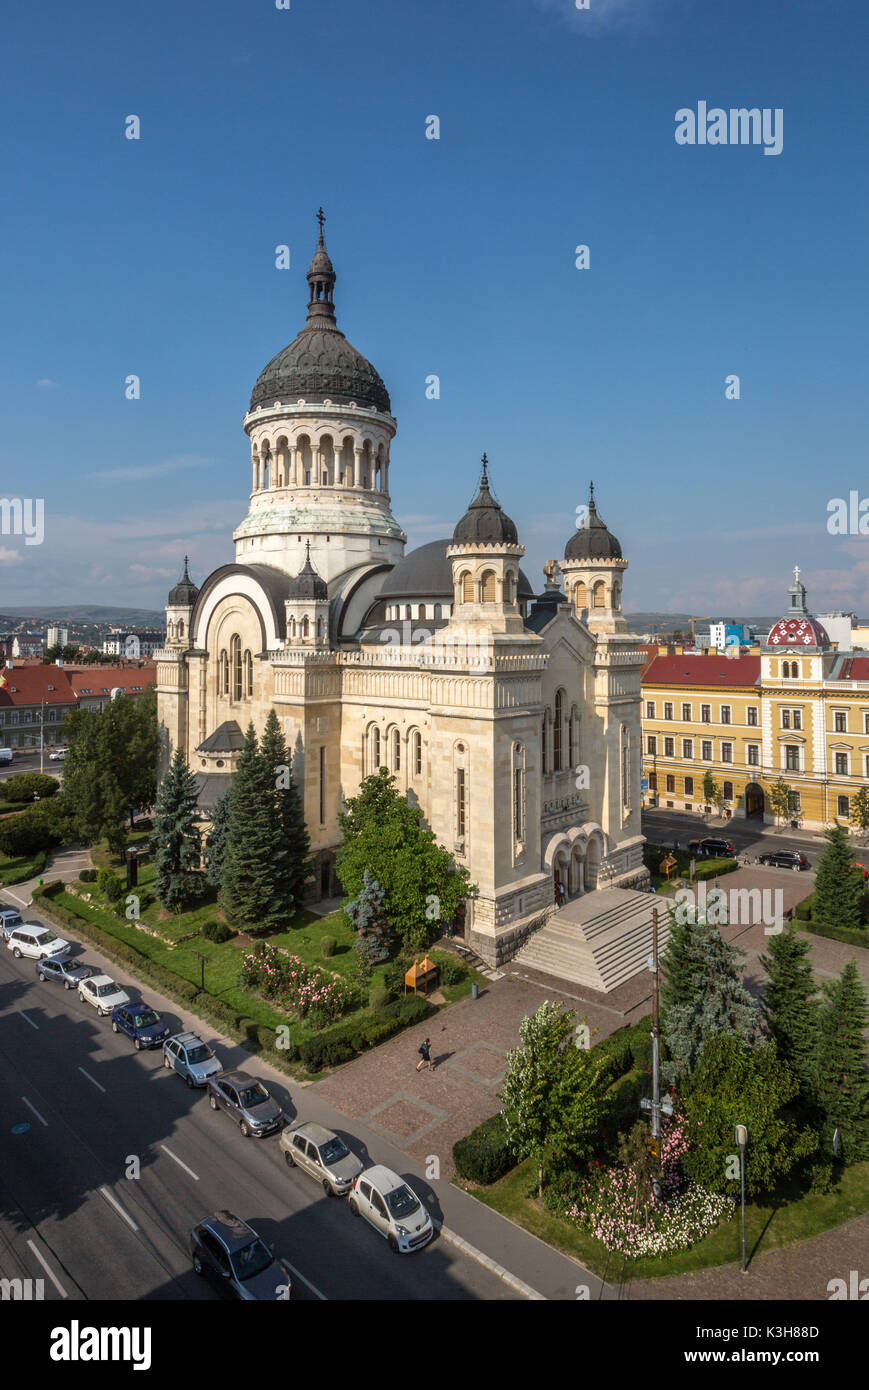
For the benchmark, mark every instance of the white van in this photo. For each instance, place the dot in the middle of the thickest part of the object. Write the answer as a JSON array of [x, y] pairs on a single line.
[[5, 755]]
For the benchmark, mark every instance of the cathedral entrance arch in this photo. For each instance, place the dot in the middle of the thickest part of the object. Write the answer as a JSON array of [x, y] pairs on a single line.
[[754, 801]]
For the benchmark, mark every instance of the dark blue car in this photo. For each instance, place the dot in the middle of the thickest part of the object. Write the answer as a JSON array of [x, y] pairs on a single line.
[[141, 1023]]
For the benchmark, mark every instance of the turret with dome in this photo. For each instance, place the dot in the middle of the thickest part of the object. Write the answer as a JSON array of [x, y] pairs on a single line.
[[593, 566]]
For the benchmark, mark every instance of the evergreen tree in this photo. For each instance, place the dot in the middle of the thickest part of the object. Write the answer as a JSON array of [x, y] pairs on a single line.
[[367, 917], [679, 962], [215, 844], [248, 886], [838, 883], [720, 1003], [176, 840], [789, 1009], [292, 866], [843, 1085]]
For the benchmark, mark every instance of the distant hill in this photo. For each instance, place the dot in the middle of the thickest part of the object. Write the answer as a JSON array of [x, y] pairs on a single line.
[[85, 613], [673, 622]]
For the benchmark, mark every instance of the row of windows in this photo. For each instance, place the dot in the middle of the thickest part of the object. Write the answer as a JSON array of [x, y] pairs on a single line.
[[670, 786], [394, 613], [482, 590], [29, 740], [790, 718], [376, 748], [31, 716], [235, 671], [841, 761], [565, 737], [597, 595]]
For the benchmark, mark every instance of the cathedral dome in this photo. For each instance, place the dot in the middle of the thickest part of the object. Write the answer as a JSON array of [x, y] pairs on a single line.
[[427, 573], [797, 628], [594, 540], [485, 522], [319, 364], [185, 592]]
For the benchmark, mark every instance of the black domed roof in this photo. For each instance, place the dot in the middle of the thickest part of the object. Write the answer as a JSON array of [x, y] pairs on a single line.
[[485, 522], [427, 573], [319, 364], [594, 540], [308, 583], [185, 592]]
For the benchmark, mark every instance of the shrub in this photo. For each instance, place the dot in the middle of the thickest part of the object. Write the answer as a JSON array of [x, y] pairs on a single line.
[[327, 946], [51, 889], [378, 999], [413, 1008], [24, 786], [714, 869], [87, 875], [110, 885], [27, 833], [452, 971], [484, 1155], [803, 911], [217, 932]]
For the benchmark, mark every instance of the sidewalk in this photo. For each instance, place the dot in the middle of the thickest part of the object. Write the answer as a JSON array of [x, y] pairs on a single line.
[[65, 864]]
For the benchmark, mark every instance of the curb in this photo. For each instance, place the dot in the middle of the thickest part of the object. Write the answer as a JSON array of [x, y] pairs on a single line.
[[494, 1268]]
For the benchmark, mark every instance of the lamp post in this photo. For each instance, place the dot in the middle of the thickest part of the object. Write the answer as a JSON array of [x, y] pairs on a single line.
[[742, 1140]]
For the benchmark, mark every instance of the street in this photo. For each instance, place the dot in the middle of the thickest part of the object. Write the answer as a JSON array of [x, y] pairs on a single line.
[[662, 827]]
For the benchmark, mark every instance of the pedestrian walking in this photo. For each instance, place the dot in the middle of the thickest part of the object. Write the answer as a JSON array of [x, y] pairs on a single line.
[[425, 1056], [560, 893]]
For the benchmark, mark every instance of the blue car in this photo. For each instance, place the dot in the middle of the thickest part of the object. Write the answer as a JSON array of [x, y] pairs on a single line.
[[141, 1023]]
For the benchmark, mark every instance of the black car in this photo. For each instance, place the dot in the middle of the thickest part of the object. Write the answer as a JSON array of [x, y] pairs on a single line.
[[229, 1252], [785, 859], [248, 1102], [711, 846]]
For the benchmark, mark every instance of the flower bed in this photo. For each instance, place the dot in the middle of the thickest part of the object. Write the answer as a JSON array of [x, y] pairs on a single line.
[[317, 995]]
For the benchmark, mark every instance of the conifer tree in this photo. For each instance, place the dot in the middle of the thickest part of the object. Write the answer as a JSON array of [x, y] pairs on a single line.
[[720, 1003], [838, 883], [679, 962], [215, 844], [366, 913], [292, 864], [176, 839], [789, 1008], [248, 884], [843, 1084]]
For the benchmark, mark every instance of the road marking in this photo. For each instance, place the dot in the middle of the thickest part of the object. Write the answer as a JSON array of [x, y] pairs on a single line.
[[49, 1271], [180, 1164], [28, 1020], [35, 1111], [305, 1281], [91, 1080], [118, 1208]]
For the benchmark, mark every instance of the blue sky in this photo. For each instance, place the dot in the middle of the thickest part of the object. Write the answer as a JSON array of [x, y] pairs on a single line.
[[454, 257]]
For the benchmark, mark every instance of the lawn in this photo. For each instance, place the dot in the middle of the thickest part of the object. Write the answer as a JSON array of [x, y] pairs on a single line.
[[19, 870], [768, 1225]]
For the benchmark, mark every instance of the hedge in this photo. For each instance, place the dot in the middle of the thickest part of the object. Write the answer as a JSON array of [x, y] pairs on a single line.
[[338, 1045], [484, 1155]]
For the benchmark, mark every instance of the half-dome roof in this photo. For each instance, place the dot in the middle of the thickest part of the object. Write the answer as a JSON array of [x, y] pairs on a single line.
[[185, 592], [593, 540], [427, 573], [485, 522], [319, 364]]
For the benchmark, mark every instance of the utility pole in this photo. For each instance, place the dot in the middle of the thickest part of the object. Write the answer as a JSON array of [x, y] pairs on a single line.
[[42, 735], [656, 1107]]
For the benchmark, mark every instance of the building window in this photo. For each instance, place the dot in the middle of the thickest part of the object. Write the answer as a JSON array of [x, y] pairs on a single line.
[[652, 746], [843, 806], [626, 767], [556, 733], [797, 716], [671, 783], [571, 738], [727, 752], [751, 715], [518, 803], [866, 723], [841, 764], [653, 781], [323, 785], [223, 674], [705, 714], [650, 713], [467, 588], [375, 748], [686, 713], [235, 663], [753, 755], [840, 721], [725, 714], [487, 587], [795, 805], [689, 786], [396, 750], [727, 791], [460, 802], [248, 674], [786, 719], [668, 710], [792, 757], [706, 750], [669, 747], [544, 742], [417, 754], [687, 748], [437, 611]]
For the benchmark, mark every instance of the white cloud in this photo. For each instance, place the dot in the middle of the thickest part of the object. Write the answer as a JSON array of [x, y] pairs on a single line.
[[46, 384], [9, 556], [134, 473]]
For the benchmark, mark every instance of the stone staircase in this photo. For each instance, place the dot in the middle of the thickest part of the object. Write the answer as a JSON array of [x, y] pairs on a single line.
[[599, 940]]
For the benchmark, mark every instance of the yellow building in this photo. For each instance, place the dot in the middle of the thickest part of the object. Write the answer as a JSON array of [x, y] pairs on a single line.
[[796, 710]]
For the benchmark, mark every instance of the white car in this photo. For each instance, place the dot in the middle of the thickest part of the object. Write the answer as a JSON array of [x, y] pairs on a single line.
[[103, 993], [392, 1208], [58, 755], [38, 942]]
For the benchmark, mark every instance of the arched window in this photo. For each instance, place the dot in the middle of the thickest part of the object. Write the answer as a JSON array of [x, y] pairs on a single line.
[[223, 674], [422, 610], [319, 628], [556, 730], [181, 627], [467, 583], [572, 739], [461, 802], [375, 748], [437, 611], [292, 627], [509, 587], [235, 663], [487, 587], [417, 754], [248, 674], [306, 627], [396, 750], [518, 793], [580, 596], [617, 596], [544, 743], [407, 610], [599, 595]]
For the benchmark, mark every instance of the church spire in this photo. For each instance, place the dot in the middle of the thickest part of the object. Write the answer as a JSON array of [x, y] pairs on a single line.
[[321, 279]]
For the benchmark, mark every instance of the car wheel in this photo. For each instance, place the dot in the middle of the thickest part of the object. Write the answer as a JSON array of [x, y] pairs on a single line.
[[16, 953], [190, 1082], [353, 1205], [393, 1244], [102, 1012], [244, 1129], [167, 1061], [67, 984], [291, 1162], [212, 1101], [114, 1025], [40, 976], [197, 1265]]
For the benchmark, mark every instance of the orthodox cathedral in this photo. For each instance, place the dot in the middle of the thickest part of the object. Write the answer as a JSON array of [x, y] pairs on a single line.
[[511, 719]]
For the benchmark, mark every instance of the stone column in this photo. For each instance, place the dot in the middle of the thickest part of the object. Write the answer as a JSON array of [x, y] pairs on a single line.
[[357, 467], [384, 477], [254, 463]]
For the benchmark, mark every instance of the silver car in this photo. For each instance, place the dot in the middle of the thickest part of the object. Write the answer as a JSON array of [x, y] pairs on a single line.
[[191, 1058], [68, 973], [248, 1102], [10, 918], [321, 1153]]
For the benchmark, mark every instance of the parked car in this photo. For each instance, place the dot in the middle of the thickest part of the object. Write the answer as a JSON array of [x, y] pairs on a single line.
[[711, 845], [229, 1252], [5, 755], [785, 859], [248, 1102], [392, 1208], [38, 942], [58, 755], [321, 1153], [69, 973], [10, 918], [142, 1024], [191, 1058], [103, 993]]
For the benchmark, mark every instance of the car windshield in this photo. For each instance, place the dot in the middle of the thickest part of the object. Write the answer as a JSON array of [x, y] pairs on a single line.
[[252, 1260], [332, 1150], [47, 938], [146, 1018], [254, 1095], [402, 1202], [198, 1054], [103, 990], [73, 965]]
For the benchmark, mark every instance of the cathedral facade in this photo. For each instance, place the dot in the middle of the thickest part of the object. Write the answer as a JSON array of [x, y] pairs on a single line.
[[511, 720]]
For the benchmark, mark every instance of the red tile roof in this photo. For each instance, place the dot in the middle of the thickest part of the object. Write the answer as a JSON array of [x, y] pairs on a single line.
[[857, 669], [99, 680], [705, 670], [30, 685]]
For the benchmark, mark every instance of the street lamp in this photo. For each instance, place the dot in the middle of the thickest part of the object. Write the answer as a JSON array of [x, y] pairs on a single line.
[[742, 1140]]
